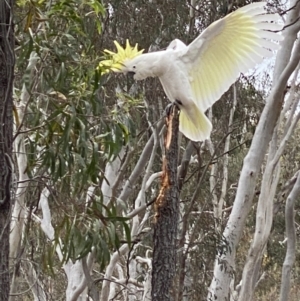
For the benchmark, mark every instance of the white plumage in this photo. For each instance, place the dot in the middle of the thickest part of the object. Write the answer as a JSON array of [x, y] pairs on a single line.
[[196, 76]]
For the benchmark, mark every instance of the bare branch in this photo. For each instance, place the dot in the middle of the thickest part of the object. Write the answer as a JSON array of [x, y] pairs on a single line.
[[226, 157], [109, 270]]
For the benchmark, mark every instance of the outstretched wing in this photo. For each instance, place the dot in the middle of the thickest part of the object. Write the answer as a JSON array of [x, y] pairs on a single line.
[[228, 47]]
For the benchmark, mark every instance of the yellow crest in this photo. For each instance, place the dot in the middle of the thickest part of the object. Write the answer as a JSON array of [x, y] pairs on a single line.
[[115, 60]]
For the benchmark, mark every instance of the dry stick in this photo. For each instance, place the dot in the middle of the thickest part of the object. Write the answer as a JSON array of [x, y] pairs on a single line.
[[167, 211]]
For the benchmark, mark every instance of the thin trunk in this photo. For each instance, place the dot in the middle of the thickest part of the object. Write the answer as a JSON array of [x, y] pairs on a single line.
[[167, 209], [219, 209]]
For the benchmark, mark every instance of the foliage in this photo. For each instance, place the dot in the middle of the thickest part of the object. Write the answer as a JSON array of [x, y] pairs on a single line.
[[71, 132]]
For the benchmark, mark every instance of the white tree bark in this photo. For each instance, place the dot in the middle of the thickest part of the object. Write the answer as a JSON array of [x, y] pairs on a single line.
[[218, 202], [78, 279], [109, 271], [264, 215], [218, 210], [148, 277], [19, 209], [112, 171], [114, 286], [291, 241], [18, 215], [264, 218], [225, 263], [132, 289]]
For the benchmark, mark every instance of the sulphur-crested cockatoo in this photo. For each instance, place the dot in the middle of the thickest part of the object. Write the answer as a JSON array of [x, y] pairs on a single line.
[[196, 76]]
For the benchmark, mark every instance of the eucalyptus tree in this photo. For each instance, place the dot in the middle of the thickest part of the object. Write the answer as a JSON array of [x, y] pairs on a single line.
[[89, 159]]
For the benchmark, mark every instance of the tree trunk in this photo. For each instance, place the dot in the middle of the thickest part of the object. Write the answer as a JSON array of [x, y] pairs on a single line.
[[290, 255], [165, 226], [6, 132]]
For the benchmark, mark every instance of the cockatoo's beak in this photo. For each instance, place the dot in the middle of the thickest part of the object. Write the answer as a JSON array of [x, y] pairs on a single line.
[[130, 74], [124, 70]]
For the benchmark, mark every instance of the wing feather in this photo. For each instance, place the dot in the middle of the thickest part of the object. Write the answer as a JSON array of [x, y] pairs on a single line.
[[266, 18], [269, 26], [228, 47], [271, 36]]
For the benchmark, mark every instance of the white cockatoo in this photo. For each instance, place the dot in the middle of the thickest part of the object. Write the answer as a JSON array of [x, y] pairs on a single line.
[[196, 76]]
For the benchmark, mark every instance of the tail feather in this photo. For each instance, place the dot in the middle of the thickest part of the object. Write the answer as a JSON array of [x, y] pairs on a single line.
[[194, 124]]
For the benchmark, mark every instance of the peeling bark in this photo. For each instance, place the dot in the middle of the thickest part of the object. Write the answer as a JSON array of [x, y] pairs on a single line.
[[165, 226]]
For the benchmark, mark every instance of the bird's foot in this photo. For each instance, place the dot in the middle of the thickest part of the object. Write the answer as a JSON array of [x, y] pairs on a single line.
[[169, 107], [178, 103]]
